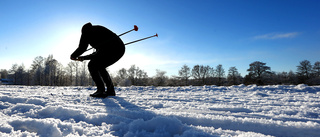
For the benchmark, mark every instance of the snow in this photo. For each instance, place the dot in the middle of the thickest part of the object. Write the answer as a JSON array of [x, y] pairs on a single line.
[[242, 111]]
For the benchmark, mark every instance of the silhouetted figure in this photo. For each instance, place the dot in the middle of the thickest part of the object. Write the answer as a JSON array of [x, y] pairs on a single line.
[[109, 49]]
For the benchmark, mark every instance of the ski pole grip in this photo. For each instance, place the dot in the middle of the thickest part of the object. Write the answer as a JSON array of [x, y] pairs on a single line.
[[135, 28]]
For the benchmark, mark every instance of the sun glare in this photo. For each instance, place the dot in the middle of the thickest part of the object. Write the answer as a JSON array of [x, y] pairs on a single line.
[[65, 45]]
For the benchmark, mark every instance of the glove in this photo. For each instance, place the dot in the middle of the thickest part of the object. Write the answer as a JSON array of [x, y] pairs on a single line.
[[80, 59], [73, 57], [77, 59]]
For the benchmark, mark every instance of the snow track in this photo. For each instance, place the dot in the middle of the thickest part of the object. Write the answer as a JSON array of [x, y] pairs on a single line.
[[282, 111]]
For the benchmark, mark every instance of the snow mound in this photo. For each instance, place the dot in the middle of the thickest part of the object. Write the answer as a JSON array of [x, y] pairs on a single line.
[[259, 94], [158, 126], [43, 128]]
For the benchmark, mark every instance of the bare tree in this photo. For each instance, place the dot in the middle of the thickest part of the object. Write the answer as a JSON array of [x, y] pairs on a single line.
[[220, 74], [70, 70], [257, 71], [50, 70], [61, 77], [17, 73], [132, 74], [3, 74], [205, 71], [122, 73], [316, 69], [13, 71], [304, 70], [142, 77], [184, 73], [201, 73], [137, 76], [121, 78], [84, 75], [196, 72], [160, 78], [292, 77], [20, 75], [233, 76], [37, 68], [76, 70]]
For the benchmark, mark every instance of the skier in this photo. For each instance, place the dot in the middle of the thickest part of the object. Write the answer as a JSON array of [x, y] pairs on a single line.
[[109, 49]]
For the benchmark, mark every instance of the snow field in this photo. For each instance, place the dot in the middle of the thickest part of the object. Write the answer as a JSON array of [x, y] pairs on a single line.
[[242, 111]]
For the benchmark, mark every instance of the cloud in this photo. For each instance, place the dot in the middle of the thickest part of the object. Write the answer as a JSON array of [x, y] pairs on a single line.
[[277, 35]]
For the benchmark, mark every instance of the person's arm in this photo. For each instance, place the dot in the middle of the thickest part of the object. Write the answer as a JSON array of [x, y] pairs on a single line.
[[87, 57], [83, 45]]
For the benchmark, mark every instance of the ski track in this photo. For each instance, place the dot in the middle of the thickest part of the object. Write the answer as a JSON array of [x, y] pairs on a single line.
[[243, 111]]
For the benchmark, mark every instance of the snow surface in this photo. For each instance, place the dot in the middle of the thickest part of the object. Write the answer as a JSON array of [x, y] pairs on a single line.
[[244, 111]]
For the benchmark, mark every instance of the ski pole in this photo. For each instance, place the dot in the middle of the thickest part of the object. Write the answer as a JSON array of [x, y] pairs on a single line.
[[135, 28], [141, 39]]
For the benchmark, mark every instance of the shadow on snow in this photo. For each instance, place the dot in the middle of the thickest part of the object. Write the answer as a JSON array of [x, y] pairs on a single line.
[[135, 121]]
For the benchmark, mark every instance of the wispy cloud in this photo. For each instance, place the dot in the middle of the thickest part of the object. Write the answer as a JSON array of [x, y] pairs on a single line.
[[277, 35]]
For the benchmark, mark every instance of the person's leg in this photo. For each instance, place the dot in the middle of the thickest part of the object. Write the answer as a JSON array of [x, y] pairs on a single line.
[[107, 57], [94, 72], [107, 80]]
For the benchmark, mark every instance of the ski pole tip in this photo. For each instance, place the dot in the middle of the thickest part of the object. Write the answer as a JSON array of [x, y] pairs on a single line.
[[135, 27], [156, 35]]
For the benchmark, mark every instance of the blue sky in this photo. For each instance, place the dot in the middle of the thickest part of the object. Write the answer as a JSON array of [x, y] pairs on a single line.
[[236, 33]]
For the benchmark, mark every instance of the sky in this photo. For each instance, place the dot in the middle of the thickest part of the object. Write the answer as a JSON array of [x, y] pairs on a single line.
[[233, 33]]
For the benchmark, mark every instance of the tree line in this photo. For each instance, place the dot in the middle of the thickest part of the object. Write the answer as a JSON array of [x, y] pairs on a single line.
[[49, 72]]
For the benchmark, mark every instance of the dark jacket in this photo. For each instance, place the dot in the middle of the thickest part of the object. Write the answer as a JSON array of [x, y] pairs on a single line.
[[100, 38]]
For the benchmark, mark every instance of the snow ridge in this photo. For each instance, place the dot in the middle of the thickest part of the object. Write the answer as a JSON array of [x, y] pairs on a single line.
[[240, 110]]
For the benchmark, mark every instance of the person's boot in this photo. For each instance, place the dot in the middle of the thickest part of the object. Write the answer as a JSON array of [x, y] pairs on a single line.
[[110, 91], [99, 93]]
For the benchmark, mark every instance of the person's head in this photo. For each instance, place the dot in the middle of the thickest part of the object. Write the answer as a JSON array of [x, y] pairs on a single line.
[[86, 27]]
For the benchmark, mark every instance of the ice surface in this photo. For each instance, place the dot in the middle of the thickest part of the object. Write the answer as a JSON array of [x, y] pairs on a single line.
[[243, 111]]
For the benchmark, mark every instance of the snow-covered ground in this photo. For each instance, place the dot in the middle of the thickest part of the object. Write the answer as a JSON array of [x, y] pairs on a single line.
[[283, 111]]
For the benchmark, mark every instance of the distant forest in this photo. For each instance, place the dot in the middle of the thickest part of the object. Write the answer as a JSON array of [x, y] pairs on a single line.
[[49, 72]]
